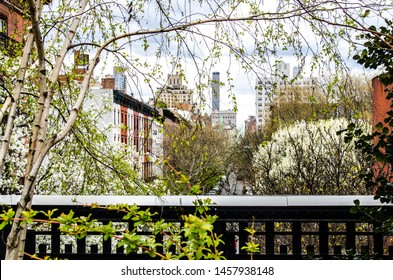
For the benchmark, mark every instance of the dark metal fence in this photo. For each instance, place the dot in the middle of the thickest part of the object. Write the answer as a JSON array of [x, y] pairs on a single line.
[[287, 227]]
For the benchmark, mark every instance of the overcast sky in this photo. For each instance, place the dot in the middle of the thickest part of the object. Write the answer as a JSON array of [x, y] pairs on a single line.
[[197, 69]]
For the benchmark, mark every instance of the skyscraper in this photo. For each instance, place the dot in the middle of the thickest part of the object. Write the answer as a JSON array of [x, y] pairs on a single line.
[[216, 91], [120, 80]]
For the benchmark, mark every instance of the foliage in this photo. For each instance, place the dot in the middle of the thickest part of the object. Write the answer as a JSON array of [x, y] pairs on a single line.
[[193, 240], [345, 97], [378, 50], [241, 153], [195, 156], [377, 146], [251, 247], [309, 158]]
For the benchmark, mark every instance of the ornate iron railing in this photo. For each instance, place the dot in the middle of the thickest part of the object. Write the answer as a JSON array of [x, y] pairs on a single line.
[[287, 227]]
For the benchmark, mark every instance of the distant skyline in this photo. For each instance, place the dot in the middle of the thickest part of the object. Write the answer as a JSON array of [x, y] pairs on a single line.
[[198, 65]]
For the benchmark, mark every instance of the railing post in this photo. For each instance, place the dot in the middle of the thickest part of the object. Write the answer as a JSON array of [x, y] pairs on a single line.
[[107, 246], [55, 238], [81, 245], [297, 238], [269, 238], [30, 245], [228, 239], [350, 238], [243, 236], [378, 240], [4, 235], [323, 238]]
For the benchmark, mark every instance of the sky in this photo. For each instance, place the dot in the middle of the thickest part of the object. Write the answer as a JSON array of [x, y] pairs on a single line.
[[195, 59]]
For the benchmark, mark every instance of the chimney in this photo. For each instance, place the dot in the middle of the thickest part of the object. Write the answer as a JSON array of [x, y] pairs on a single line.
[[108, 82]]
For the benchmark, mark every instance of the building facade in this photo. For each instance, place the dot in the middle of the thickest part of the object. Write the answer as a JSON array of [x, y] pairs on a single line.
[[176, 95], [250, 124], [120, 80], [132, 124], [225, 120], [271, 91], [12, 25], [215, 91], [381, 105]]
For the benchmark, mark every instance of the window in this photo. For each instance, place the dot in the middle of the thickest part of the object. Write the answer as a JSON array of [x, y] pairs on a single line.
[[3, 31], [3, 25]]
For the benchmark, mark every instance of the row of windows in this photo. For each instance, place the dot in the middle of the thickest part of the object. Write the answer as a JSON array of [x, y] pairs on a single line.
[[144, 145], [185, 98], [224, 117], [140, 143], [174, 81], [130, 120]]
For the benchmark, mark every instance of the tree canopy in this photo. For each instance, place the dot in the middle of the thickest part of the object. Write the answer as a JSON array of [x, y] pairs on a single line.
[[310, 158]]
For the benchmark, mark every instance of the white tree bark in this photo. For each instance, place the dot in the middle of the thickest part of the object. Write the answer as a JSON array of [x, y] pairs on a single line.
[[12, 101], [39, 146]]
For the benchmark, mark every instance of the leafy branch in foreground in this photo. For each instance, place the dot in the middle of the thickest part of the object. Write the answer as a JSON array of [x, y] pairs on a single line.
[[195, 240], [377, 145], [251, 247]]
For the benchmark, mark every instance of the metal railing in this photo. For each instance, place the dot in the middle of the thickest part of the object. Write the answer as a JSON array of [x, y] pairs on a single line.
[[287, 227]]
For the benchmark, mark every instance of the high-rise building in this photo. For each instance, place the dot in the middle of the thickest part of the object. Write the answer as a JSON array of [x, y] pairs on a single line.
[[295, 71], [284, 69], [120, 80], [215, 91], [175, 95], [265, 88], [273, 90]]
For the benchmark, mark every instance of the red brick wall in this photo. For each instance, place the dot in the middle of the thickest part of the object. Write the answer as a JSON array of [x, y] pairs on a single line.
[[380, 104], [124, 123], [108, 83], [15, 21]]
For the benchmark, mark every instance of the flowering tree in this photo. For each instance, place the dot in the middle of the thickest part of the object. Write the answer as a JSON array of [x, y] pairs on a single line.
[[310, 158]]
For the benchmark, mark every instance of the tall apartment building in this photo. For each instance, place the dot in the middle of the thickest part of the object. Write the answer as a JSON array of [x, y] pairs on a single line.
[[176, 95], [274, 90], [120, 80], [215, 91], [284, 69]]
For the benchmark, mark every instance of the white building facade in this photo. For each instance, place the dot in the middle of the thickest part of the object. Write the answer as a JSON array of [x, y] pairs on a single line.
[[272, 90], [226, 120], [131, 123]]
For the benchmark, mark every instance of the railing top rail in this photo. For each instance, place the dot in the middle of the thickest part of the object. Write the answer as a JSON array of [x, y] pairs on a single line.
[[223, 201]]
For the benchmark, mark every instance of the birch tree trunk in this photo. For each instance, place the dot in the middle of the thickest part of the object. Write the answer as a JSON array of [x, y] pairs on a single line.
[[39, 146]]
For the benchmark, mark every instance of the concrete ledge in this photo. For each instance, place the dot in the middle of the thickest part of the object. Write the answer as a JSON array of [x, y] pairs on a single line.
[[278, 201]]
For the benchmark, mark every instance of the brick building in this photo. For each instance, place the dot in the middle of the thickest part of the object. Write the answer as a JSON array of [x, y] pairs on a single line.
[[12, 24], [381, 105], [133, 123]]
